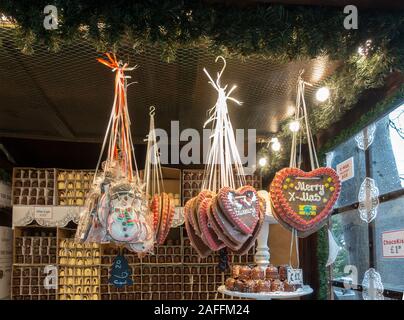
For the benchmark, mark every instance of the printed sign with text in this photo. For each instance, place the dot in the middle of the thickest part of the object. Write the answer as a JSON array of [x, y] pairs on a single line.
[[393, 244], [295, 276], [43, 212], [345, 169]]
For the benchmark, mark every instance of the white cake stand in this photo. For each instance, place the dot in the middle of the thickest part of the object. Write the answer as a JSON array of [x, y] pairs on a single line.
[[305, 290], [262, 256]]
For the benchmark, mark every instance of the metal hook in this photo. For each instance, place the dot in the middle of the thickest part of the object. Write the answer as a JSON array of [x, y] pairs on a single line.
[[152, 110], [131, 83], [224, 66]]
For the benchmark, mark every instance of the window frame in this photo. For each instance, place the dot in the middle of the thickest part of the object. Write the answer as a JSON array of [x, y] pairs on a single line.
[[392, 294]]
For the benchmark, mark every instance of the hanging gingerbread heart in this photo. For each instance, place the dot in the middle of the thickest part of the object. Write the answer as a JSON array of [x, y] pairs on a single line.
[[304, 200], [208, 234], [251, 241], [165, 229], [232, 237], [155, 207], [204, 194], [197, 243], [241, 207]]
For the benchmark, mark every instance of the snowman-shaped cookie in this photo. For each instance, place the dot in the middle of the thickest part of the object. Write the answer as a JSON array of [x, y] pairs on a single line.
[[123, 223]]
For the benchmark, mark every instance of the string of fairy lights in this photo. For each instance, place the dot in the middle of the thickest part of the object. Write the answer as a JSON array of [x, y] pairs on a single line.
[[322, 95]]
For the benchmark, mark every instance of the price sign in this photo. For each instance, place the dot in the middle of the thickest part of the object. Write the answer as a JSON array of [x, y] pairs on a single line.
[[43, 212], [345, 169], [295, 276], [393, 244]]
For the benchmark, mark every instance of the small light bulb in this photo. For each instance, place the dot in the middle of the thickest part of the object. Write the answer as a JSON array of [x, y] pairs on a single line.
[[322, 94], [262, 162], [276, 146], [294, 126]]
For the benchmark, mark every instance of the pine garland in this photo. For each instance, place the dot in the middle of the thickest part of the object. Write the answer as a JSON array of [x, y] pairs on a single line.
[[276, 32], [322, 257], [346, 85], [367, 118]]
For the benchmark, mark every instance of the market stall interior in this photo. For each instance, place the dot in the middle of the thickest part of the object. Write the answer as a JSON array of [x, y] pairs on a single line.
[[90, 194]]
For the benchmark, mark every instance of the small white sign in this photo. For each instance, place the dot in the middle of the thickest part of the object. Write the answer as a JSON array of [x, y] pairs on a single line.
[[43, 213], [346, 170], [5, 195], [6, 261], [51, 278], [393, 244], [295, 276]]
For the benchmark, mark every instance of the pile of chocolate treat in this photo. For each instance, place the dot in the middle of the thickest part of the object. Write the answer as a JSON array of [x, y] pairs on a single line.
[[257, 279]]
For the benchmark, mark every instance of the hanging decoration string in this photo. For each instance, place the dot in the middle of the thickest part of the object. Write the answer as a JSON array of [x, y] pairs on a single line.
[[120, 147], [296, 241], [223, 152], [153, 172], [301, 114]]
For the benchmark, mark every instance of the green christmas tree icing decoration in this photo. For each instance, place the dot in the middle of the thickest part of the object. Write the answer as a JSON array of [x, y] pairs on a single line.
[[120, 272]]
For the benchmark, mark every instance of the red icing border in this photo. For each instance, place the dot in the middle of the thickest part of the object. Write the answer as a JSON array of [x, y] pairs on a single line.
[[286, 214], [169, 220], [204, 251], [221, 234]]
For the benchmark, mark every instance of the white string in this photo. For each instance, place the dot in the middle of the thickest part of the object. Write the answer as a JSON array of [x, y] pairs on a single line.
[[153, 183], [118, 129], [295, 160], [294, 237], [104, 143], [223, 152], [129, 133]]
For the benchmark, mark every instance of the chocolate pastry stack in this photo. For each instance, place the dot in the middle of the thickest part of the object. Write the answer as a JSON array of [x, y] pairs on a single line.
[[230, 218], [163, 207], [256, 279]]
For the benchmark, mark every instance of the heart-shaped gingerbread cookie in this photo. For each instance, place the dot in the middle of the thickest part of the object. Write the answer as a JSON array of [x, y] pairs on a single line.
[[241, 207], [225, 230], [303, 200], [196, 204], [197, 243], [208, 235], [251, 241]]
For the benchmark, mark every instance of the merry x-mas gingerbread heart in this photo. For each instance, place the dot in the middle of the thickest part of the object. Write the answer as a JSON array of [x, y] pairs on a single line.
[[303, 200], [241, 207]]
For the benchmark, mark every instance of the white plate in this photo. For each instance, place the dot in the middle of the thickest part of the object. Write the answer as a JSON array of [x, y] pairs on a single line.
[[267, 295]]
